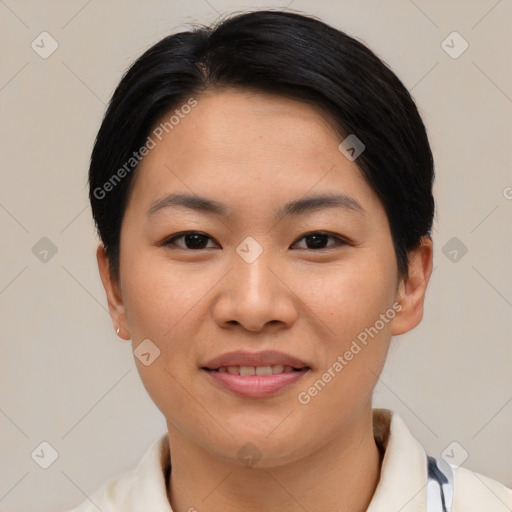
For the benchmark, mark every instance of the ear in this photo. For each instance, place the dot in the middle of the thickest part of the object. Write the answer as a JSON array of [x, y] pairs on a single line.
[[411, 290], [113, 291]]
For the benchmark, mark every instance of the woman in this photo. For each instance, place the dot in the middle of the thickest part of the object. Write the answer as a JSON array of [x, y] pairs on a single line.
[[263, 194]]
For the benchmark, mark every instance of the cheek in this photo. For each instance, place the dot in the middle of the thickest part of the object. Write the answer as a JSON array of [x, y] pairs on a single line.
[[158, 294], [160, 306], [354, 346], [351, 294]]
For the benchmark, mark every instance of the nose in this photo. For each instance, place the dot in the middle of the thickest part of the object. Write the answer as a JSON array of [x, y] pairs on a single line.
[[256, 295]]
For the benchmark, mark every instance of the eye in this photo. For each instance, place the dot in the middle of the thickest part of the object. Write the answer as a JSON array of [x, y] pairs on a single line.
[[192, 240], [318, 239], [195, 240]]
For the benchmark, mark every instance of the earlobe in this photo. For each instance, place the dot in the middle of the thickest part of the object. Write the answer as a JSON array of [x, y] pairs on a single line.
[[412, 290], [113, 293]]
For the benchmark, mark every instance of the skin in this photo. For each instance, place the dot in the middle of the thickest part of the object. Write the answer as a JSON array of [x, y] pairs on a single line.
[[254, 152]]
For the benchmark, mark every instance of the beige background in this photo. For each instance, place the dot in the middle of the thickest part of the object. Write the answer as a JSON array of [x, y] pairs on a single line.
[[68, 380]]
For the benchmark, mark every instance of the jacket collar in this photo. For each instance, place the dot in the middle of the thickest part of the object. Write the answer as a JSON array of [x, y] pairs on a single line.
[[403, 474]]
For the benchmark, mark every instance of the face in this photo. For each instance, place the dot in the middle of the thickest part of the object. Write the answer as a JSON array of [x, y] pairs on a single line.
[[315, 282]]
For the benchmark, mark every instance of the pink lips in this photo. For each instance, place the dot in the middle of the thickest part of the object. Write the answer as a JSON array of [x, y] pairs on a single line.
[[255, 386]]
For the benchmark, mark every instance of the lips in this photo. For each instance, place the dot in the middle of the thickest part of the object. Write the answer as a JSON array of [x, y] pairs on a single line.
[[255, 359], [255, 375]]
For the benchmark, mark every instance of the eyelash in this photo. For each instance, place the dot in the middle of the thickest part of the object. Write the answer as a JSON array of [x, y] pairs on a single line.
[[339, 240]]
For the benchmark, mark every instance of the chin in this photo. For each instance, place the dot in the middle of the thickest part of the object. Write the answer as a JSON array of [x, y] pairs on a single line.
[[254, 448]]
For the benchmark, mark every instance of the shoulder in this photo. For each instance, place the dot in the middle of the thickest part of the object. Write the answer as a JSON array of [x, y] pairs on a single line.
[[135, 490], [111, 497], [474, 492], [405, 468]]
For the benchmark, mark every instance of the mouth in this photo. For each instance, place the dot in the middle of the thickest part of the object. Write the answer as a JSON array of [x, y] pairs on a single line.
[[255, 375], [245, 371]]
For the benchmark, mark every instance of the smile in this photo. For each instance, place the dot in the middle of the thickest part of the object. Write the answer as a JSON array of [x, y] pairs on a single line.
[[254, 374]]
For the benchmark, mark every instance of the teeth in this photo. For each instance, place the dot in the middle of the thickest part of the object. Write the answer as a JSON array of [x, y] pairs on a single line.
[[247, 370], [244, 371], [263, 370]]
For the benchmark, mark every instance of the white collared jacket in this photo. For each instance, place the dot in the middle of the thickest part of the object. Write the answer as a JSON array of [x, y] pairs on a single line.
[[410, 480]]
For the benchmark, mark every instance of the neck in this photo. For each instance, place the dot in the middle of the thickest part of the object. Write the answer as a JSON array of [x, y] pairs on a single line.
[[341, 475]]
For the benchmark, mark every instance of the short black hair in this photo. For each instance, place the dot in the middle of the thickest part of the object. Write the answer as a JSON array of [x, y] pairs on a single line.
[[279, 52]]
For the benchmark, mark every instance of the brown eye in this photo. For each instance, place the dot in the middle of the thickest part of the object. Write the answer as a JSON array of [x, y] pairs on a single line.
[[319, 239], [193, 240]]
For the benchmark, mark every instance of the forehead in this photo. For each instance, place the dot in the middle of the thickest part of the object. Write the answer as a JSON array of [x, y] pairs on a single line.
[[236, 124], [251, 148]]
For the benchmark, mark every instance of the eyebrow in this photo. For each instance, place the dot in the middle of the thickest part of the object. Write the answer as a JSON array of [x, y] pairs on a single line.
[[291, 208]]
